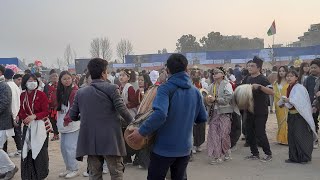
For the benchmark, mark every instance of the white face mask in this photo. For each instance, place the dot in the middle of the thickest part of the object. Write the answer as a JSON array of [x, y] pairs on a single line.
[[32, 85]]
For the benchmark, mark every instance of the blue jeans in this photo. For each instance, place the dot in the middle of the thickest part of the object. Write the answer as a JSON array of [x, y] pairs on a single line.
[[68, 145], [159, 166]]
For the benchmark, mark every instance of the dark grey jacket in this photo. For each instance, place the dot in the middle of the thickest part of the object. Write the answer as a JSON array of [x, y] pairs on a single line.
[[99, 107], [310, 84], [6, 121]]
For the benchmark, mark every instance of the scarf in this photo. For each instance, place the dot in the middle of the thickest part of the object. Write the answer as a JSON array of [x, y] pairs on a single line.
[[288, 93]]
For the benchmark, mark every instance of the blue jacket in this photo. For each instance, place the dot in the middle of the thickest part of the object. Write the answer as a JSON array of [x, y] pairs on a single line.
[[238, 75], [177, 106]]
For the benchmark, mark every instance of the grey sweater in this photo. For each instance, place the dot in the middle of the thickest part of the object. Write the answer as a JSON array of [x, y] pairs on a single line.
[[6, 120]]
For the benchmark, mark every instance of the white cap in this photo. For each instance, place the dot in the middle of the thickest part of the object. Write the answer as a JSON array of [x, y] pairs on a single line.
[[154, 75]]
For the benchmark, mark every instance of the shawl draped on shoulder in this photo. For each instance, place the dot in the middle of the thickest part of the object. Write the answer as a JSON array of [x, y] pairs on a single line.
[[299, 99]]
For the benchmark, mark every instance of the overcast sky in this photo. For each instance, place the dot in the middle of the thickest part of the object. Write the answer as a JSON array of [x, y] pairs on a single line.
[[41, 29]]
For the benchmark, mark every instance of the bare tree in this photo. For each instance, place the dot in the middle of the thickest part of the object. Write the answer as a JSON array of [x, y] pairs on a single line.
[[105, 49], [124, 47], [95, 48], [74, 54], [68, 56], [59, 63]]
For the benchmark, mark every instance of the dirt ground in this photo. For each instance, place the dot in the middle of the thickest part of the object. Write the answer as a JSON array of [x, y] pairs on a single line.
[[199, 169]]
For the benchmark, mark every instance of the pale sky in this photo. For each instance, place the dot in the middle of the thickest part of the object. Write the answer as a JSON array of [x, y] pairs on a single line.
[[41, 29]]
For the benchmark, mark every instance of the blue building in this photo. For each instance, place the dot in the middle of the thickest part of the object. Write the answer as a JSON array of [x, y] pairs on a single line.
[[15, 61]]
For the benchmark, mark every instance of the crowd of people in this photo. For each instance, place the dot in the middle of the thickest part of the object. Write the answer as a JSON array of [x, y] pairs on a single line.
[[89, 115]]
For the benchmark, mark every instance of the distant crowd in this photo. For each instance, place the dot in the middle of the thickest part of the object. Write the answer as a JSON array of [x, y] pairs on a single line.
[[90, 113]]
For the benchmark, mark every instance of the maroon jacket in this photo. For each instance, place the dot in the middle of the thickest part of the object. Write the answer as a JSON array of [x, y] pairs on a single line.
[[67, 118]]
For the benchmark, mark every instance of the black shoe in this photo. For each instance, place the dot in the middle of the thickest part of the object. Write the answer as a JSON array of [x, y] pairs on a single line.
[[289, 161], [136, 162], [10, 174], [243, 138], [252, 157], [2, 175], [267, 158]]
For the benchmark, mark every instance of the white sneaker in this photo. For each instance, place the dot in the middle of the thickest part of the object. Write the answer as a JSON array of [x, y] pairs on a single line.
[[234, 148], [316, 145], [63, 174], [72, 175], [198, 149], [227, 156], [105, 171], [215, 161], [85, 174]]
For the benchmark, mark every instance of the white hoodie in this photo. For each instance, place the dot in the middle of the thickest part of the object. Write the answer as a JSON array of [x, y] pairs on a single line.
[[16, 92]]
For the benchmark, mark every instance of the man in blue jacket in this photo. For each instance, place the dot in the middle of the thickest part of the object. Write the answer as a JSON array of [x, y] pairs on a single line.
[[177, 106]]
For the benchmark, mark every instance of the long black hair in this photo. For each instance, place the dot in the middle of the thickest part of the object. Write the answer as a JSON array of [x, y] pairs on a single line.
[[285, 69], [301, 71], [63, 93], [147, 81]]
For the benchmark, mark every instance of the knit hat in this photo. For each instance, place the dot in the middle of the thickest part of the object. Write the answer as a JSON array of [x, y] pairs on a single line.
[[8, 74]]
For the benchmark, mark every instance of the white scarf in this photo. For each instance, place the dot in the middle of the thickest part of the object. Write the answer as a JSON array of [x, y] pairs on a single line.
[[299, 98], [35, 137]]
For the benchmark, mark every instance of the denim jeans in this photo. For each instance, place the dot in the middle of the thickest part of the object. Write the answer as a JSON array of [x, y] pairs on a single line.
[[68, 145]]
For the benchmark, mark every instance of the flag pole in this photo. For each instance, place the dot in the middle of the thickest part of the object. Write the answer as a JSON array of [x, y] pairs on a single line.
[[272, 41], [273, 58]]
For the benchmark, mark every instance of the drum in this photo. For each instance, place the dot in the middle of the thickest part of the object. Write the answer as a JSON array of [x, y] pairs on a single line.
[[144, 112], [244, 98], [204, 92]]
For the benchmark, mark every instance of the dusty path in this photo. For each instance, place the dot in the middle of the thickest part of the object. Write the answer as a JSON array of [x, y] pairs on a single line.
[[199, 169]]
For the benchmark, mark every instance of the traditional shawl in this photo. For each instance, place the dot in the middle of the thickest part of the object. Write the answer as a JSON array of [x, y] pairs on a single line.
[[35, 137], [299, 98]]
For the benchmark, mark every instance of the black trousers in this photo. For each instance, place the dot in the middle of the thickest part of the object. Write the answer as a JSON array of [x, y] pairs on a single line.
[[235, 129], [316, 121], [54, 126], [256, 131], [159, 166], [17, 139]]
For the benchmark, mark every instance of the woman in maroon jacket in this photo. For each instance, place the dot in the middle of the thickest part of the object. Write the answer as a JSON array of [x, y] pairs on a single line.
[[34, 107]]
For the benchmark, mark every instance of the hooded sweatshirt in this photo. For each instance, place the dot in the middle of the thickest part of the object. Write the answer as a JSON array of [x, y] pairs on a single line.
[[177, 106]]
